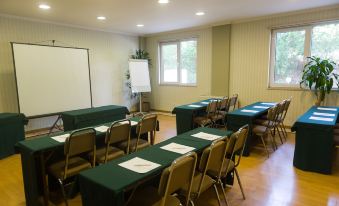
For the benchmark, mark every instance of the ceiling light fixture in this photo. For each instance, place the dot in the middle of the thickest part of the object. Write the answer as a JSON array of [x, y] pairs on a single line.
[[44, 6], [163, 1], [140, 25], [200, 13], [101, 18]]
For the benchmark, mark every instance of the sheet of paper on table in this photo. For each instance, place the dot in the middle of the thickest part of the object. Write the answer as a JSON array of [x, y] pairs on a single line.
[[323, 114], [139, 165], [204, 102], [261, 107], [101, 128], [133, 123], [249, 110], [60, 138], [206, 136], [329, 109], [268, 103], [322, 119], [194, 105], [177, 148]]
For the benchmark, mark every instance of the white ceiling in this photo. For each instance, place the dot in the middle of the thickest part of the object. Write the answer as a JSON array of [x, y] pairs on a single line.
[[123, 15]]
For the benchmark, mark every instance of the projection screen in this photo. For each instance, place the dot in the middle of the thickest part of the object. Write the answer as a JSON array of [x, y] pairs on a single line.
[[51, 79]]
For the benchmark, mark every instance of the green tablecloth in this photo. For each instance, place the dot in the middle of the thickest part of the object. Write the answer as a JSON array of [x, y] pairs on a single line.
[[239, 118], [106, 184], [314, 141], [12, 131], [92, 116], [186, 113], [32, 150]]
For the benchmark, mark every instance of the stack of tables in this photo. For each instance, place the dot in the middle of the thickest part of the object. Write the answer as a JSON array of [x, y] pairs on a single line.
[[107, 184], [12, 131], [314, 139]]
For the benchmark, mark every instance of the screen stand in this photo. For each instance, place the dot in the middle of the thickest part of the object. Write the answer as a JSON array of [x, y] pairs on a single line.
[[55, 125]]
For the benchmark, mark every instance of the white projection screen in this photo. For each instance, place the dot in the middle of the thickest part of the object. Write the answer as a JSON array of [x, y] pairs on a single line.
[[51, 79]]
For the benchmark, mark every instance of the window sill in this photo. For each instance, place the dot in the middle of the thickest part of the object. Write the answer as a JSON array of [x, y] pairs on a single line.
[[177, 85], [294, 89]]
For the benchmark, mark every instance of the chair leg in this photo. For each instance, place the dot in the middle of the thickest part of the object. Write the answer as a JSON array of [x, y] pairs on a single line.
[[238, 178], [216, 192], [263, 142], [192, 203], [279, 133], [63, 191], [223, 191]]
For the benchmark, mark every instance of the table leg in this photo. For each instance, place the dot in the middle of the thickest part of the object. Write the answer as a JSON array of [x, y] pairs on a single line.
[[44, 181]]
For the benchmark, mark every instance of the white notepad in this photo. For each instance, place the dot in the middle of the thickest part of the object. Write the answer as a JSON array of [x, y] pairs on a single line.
[[322, 119], [261, 107], [249, 110], [139, 165], [101, 128], [268, 103], [206, 136], [60, 138], [329, 109], [194, 105], [133, 123], [323, 114], [204, 102], [177, 148]]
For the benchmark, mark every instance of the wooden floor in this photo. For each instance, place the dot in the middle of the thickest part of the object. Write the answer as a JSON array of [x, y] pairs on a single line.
[[267, 182]]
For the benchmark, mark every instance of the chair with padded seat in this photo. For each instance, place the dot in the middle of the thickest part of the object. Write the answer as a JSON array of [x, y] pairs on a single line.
[[146, 126], [206, 120], [118, 132], [80, 142], [176, 176]]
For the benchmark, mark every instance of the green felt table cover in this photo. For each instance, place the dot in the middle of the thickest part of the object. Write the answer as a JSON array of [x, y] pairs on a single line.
[[106, 184], [30, 151], [185, 115], [92, 116], [237, 119], [314, 142], [12, 131]]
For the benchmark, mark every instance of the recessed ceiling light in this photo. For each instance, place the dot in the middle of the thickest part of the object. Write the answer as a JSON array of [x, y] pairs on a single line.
[[163, 1], [101, 18], [140, 25], [44, 6], [200, 13]]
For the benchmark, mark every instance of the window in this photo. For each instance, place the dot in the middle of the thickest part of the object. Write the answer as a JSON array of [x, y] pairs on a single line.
[[178, 62], [291, 46]]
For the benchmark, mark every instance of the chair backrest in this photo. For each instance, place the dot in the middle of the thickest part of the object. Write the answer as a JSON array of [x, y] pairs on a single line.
[[241, 141], [180, 174], [271, 115], [148, 123], [79, 142], [212, 159], [223, 104], [232, 102], [212, 107], [119, 131], [287, 105]]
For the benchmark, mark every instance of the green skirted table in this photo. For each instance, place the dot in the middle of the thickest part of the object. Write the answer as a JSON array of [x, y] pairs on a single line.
[[107, 184], [12, 131], [186, 113], [92, 116], [314, 144], [247, 115], [36, 154]]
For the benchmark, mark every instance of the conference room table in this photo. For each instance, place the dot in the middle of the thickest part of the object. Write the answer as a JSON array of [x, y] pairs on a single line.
[[11, 131], [81, 118], [314, 143], [186, 113], [37, 153], [247, 115], [107, 184]]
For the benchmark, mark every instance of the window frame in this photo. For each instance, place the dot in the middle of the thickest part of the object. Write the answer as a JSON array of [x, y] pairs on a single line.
[[176, 42], [308, 28]]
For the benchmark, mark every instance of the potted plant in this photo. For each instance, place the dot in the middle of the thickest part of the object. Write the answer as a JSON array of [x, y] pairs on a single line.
[[319, 76]]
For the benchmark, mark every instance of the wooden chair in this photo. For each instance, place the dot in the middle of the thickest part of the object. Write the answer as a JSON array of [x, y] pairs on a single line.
[[118, 132], [264, 130], [146, 126], [178, 175], [78, 143], [206, 120]]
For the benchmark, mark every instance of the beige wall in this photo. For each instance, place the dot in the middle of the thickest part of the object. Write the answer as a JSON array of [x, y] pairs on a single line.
[[250, 44], [108, 60], [167, 97]]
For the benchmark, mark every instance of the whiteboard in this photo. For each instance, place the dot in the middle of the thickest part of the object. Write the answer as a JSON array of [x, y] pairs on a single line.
[[50, 79], [139, 73]]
